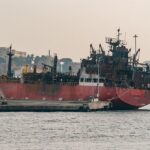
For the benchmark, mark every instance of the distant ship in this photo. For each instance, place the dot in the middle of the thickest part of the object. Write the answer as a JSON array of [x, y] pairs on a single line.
[[116, 77]]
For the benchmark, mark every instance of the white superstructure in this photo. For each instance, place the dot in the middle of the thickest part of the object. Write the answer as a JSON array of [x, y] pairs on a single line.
[[90, 80]]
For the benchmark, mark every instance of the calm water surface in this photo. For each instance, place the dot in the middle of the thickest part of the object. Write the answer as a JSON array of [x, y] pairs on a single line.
[[116, 130]]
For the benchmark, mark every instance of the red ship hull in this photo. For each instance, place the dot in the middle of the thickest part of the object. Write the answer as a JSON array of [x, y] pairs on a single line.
[[120, 98]]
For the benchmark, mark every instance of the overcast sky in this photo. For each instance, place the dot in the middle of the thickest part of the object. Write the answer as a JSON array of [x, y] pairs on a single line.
[[67, 27]]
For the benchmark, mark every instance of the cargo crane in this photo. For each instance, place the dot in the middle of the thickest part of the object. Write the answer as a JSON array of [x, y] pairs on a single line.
[[135, 61], [101, 49]]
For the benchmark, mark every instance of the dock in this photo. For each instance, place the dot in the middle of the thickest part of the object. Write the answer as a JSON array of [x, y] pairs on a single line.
[[41, 106]]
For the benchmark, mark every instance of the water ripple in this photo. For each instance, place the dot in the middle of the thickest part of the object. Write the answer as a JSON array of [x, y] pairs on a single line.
[[75, 131]]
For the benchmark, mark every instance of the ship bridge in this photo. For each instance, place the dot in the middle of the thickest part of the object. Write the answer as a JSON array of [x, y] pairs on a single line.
[[91, 80]]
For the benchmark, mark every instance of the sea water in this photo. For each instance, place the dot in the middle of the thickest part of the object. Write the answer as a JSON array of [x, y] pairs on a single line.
[[105, 130]]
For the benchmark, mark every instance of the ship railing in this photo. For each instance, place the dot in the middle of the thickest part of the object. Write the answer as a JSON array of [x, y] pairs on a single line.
[[10, 80], [110, 40], [65, 83]]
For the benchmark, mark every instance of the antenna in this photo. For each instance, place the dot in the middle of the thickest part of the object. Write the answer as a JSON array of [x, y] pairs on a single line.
[[118, 35], [49, 53], [125, 36], [135, 37]]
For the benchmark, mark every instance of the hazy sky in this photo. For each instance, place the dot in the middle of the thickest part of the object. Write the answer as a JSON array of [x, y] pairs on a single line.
[[67, 27]]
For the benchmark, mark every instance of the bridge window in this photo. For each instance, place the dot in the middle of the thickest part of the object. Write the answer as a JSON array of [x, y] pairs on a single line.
[[88, 80], [101, 80], [95, 80], [82, 79]]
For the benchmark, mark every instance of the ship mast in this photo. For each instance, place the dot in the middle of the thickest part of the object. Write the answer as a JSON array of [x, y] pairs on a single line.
[[98, 77], [134, 56], [135, 37], [118, 35], [99, 74], [10, 54]]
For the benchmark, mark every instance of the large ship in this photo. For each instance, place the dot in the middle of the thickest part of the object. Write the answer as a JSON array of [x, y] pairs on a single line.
[[115, 77]]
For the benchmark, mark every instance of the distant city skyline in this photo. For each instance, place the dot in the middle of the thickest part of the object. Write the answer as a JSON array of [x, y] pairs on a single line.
[[68, 27]]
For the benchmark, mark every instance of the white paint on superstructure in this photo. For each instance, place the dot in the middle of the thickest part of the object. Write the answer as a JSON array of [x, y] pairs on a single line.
[[90, 80]]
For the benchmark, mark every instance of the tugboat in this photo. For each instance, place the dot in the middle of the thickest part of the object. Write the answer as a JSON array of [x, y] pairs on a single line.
[[115, 78]]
